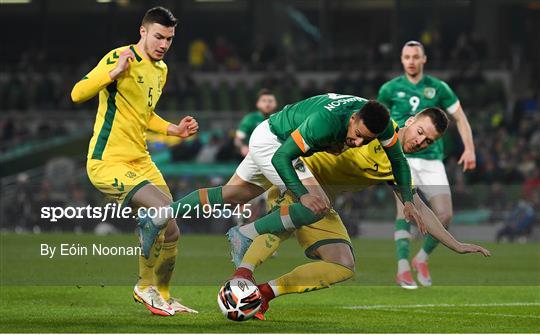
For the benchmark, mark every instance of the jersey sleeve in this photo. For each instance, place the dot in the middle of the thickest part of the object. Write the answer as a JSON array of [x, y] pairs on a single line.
[[449, 100], [282, 162], [400, 168], [157, 124], [95, 80], [385, 96], [244, 128]]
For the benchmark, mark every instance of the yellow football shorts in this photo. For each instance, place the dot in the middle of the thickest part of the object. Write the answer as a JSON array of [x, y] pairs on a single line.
[[326, 231], [121, 180]]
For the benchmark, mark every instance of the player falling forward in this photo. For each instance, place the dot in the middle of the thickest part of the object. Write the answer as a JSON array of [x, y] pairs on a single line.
[[405, 96], [327, 240], [329, 122], [130, 80]]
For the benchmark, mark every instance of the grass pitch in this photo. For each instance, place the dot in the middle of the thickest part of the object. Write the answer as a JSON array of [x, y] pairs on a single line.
[[93, 293]]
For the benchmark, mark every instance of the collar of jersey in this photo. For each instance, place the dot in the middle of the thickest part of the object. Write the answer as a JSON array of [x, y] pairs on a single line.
[[410, 83], [137, 57]]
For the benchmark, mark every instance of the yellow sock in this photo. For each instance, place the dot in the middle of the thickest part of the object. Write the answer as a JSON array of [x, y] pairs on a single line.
[[262, 247], [146, 266], [165, 267], [310, 277]]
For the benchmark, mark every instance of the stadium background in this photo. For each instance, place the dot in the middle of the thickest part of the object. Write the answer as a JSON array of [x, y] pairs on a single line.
[[225, 51]]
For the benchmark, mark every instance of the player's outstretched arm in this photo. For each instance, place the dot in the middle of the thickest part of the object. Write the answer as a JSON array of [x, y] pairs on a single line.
[[402, 173], [437, 230]]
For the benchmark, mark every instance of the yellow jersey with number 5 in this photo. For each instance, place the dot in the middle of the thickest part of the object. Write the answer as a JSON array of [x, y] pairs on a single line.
[[126, 106]]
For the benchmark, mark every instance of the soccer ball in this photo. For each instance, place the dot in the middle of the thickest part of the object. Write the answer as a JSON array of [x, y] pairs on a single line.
[[239, 299]]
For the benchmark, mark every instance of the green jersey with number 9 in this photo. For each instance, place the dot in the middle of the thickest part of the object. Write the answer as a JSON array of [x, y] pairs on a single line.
[[405, 99]]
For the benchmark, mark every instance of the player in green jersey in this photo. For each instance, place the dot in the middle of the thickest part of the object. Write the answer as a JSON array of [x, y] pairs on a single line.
[[266, 106], [405, 96], [329, 122]]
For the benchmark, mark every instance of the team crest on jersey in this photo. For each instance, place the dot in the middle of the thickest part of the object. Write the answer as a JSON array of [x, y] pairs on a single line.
[[401, 94], [429, 92]]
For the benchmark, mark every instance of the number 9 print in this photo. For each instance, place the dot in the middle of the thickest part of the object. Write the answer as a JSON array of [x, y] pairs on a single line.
[[415, 102]]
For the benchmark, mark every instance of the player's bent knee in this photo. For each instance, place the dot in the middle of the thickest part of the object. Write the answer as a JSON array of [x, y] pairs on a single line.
[[340, 273], [347, 262], [172, 232], [337, 253]]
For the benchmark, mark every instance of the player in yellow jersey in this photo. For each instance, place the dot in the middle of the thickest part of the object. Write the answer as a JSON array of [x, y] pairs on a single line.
[[327, 240], [130, 80]]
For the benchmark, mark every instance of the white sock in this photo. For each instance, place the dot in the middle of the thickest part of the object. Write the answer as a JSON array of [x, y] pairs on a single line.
[[421, 256], [403, 265], [160, 215], [273, 285], [249, 231]]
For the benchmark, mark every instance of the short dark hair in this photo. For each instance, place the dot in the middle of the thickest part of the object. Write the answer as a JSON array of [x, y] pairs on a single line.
[[415, 44], [437, 116], [264, 91], [375, 116], [159, 15]]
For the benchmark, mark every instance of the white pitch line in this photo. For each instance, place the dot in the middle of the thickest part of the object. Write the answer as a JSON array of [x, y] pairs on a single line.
[[465, 313], [399, 308], [507, 304]]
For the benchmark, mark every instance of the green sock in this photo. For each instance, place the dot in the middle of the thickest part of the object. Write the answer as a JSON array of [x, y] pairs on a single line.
[[287, 218], [402, 236], [199, 197], [430, 243]]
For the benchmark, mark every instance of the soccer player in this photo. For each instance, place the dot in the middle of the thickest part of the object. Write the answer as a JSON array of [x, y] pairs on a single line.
[[129, 81], [406, 95], [329, 122], [266, 106], [327, 241]]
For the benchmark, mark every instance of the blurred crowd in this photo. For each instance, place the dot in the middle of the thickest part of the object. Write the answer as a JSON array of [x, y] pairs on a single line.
[[38, 81], [507, 137]]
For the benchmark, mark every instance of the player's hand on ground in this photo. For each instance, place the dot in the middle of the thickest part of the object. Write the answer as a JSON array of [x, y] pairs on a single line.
[[314, 203], [466, 248], [468, 159], [124, 60], [188, 126], [411, 214]]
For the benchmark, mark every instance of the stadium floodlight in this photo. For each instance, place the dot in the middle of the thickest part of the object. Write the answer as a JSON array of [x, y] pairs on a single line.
[[11, 2]]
